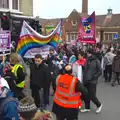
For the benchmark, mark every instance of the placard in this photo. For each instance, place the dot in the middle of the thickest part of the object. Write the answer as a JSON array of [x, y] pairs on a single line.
[[5, 40]]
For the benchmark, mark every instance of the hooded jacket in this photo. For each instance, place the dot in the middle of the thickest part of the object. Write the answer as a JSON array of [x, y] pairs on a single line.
[[92, 70], [116, 64], [108, 58], [9, 111]]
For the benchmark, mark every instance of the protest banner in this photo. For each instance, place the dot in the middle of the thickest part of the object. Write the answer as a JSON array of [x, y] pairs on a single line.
[[5, 40], [30, 39], [44, 51], [87, 30]]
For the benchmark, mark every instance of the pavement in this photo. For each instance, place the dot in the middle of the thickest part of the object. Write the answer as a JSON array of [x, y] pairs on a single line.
[[109, 96]]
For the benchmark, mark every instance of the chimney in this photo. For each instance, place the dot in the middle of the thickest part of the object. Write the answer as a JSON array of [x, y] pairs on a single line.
[[85, 7]]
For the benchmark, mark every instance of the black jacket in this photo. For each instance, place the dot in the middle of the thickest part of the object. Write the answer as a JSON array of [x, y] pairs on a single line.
[[39, 76], [50, 61], [116, 64], [11, 80], [92, 70]]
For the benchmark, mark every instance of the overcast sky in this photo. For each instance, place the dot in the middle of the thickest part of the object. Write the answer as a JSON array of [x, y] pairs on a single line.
[[62, 8]]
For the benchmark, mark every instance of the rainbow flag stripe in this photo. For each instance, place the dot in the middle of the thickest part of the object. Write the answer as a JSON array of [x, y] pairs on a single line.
[[31, 39]]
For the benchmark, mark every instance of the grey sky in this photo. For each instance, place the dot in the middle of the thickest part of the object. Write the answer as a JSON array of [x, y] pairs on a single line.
[[62, 8]]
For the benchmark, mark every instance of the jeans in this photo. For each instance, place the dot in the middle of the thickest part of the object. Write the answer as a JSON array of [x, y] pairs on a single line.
[[91, 87], [44, 98], [41, 96]]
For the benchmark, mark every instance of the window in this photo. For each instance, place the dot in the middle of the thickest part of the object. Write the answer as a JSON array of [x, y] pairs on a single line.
[[109, 35], [106, 36], [4, 3], [68, 36], [72, 36], [15, 4]]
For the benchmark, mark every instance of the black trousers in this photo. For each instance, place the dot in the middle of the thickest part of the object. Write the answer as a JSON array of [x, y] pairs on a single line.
[[52, 81], [117, 75], [65, 113], [108, 73], [91, 87], [41, 97]]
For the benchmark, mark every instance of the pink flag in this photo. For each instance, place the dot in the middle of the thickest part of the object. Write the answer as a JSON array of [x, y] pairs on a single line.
[[87, 30]]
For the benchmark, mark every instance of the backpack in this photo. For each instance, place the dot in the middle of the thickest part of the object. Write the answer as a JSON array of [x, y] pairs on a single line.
[[3, 102]]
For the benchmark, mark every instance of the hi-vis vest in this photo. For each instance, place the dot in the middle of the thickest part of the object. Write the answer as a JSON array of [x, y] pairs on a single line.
[[65, 95], [14, 70]]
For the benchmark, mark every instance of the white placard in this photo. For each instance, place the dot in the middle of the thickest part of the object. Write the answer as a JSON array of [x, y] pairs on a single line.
[[44, 51]]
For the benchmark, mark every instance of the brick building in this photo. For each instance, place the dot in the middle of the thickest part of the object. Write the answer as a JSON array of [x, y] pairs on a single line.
[[24, 7], [13, 13], [106, 25]]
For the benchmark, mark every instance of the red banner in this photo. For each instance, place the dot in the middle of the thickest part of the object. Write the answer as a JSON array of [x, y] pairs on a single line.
[[87, 30]]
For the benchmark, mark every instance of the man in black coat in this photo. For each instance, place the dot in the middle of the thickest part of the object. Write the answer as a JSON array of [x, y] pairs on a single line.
[[39, 82], [52, 68], [92, 72]]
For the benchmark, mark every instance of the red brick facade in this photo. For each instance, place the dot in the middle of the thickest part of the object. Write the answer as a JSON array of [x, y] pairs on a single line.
[[106, 25]]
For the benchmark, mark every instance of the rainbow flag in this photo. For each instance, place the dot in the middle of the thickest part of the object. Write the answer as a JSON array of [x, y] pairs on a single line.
[[29, 39]]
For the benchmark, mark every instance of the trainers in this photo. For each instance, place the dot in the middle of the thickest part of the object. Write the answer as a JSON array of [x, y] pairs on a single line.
[[84, 110], [112, 85], [99, 109]]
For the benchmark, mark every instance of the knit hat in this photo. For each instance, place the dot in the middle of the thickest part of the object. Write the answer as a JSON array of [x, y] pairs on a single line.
[[27, 108]]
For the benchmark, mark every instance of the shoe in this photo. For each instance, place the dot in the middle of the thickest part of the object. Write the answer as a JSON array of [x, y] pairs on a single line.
[[99, 109], [112, 85], [84, 110]]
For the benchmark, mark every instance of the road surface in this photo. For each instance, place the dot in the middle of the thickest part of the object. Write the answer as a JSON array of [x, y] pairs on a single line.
[[110, 98]]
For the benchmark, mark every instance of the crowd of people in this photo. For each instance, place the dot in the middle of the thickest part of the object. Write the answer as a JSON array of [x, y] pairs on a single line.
[[56, 70]]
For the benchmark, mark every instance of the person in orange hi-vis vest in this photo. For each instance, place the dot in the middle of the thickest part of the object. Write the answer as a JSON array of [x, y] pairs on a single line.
[[67, 96]]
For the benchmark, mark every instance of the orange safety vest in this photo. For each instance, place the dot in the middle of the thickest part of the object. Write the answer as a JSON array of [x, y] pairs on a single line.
[[65, 95]]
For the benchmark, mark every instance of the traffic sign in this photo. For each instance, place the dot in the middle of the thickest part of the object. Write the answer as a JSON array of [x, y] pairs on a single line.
[[116, 36]]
